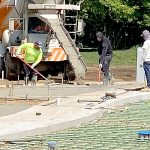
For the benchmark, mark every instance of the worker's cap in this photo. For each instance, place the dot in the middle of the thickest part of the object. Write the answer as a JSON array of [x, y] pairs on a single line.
[[38, 43], [145, 32], [146, 35], [99, 35]]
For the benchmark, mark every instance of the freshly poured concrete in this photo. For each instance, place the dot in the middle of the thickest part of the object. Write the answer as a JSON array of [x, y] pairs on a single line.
[[48, 116]]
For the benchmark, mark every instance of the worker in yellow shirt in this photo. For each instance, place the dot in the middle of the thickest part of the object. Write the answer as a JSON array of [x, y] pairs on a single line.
[[32, 55]]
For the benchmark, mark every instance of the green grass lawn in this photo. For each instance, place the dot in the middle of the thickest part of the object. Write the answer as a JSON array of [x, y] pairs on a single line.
[[120, 57]]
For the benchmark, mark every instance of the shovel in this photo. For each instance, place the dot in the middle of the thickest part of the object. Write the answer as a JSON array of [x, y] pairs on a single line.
[[32, 68], [99, 75]]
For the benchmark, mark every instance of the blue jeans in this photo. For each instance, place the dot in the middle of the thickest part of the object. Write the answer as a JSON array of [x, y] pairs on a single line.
[[146, 66]]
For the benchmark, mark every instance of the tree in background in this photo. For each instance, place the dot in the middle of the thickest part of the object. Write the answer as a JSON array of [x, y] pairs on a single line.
[[122, 21]]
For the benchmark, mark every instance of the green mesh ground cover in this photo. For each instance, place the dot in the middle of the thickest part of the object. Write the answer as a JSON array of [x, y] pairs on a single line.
[[114, 131]]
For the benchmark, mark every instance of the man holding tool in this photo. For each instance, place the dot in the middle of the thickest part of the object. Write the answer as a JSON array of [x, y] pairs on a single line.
[[32, 54], [105, 57]]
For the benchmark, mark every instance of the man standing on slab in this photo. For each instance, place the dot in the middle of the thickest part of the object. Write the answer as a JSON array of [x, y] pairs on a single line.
[[105, 52]]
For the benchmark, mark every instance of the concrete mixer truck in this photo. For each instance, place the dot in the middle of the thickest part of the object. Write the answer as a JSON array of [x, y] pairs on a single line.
[[54, 22]]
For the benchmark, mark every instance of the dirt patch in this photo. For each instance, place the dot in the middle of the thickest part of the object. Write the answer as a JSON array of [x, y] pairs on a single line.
[[119, 73]]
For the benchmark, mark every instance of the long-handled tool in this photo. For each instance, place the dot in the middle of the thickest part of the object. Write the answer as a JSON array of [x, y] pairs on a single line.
[[32, 68], [99, 74]]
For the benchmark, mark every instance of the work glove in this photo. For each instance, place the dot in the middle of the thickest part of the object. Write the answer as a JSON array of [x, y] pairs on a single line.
[[100, 66], [141, 64], [32, 66], [18, 55]]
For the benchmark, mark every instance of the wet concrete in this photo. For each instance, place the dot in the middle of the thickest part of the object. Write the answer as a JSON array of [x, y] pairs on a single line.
[[69, 112]]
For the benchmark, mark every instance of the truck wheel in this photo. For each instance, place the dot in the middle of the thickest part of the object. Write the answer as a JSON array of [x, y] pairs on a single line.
[[10, 67]]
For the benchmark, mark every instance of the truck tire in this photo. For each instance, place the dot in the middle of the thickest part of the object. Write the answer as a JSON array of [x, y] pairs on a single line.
[[10, 67]]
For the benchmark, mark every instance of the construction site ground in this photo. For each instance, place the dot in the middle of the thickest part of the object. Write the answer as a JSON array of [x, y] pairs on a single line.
[[34, 110], [120, 73]]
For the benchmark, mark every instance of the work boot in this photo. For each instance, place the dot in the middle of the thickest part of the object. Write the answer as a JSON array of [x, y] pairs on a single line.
[[111, 79], [34, 80]]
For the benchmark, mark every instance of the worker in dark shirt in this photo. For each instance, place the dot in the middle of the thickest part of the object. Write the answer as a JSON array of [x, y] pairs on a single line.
[[105, 57]]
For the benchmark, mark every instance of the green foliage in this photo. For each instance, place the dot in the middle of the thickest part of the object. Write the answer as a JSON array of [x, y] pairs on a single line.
[[146, 19], [120, 9], [117, 9], [120, 20], [142, 14]]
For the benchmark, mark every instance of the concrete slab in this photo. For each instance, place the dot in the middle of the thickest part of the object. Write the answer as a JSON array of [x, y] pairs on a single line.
[[48, 117], [11, 109]]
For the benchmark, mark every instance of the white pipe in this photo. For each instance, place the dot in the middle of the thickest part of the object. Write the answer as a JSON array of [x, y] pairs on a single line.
[[18, 78], [2, 74]]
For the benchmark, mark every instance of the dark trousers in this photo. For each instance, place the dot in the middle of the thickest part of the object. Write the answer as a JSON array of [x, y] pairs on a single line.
[[146, 66], [106, 65], [28, 71], [105, 69]]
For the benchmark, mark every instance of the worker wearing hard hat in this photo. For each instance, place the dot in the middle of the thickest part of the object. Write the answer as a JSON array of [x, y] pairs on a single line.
[[32, 54]]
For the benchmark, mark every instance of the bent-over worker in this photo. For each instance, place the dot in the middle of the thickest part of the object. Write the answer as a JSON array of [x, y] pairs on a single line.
[[32, 55]]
